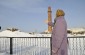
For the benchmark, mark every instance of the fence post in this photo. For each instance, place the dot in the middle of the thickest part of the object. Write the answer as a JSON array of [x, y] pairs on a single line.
[[51, 45], [11, 46]]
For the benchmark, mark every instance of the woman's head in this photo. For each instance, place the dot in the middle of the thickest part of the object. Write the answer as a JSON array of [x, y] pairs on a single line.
[[59, 12]]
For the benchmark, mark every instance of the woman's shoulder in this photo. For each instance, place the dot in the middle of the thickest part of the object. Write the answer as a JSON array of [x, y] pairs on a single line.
[[60, 17]]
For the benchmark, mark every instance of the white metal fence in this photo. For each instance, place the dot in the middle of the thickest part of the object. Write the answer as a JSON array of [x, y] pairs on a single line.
[[38, 45]]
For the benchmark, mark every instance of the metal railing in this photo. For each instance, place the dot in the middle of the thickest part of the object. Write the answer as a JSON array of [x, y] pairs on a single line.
[[39, 45], [76, 45], [26, 45]]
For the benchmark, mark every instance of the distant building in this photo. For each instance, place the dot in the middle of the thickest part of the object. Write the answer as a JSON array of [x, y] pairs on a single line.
[[12, 29], [49, 19], [76, 31]]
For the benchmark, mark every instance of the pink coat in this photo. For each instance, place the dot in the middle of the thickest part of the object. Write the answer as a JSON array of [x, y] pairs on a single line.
[[59, 36]]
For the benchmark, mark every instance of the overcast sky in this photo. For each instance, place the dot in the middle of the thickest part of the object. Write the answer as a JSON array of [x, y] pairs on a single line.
[[29, 15]]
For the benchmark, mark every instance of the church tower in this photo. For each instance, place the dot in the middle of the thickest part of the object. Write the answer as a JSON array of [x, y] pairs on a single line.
[[49, 19]]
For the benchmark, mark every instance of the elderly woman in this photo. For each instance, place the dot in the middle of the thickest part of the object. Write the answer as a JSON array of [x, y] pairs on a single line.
[[59, 34]]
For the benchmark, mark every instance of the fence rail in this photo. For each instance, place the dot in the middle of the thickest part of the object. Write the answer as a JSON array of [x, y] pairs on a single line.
[[76, 45], [39, 45], [26, 45]]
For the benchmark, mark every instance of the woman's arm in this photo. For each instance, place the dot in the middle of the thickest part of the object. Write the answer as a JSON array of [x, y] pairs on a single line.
[[50, 24]]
